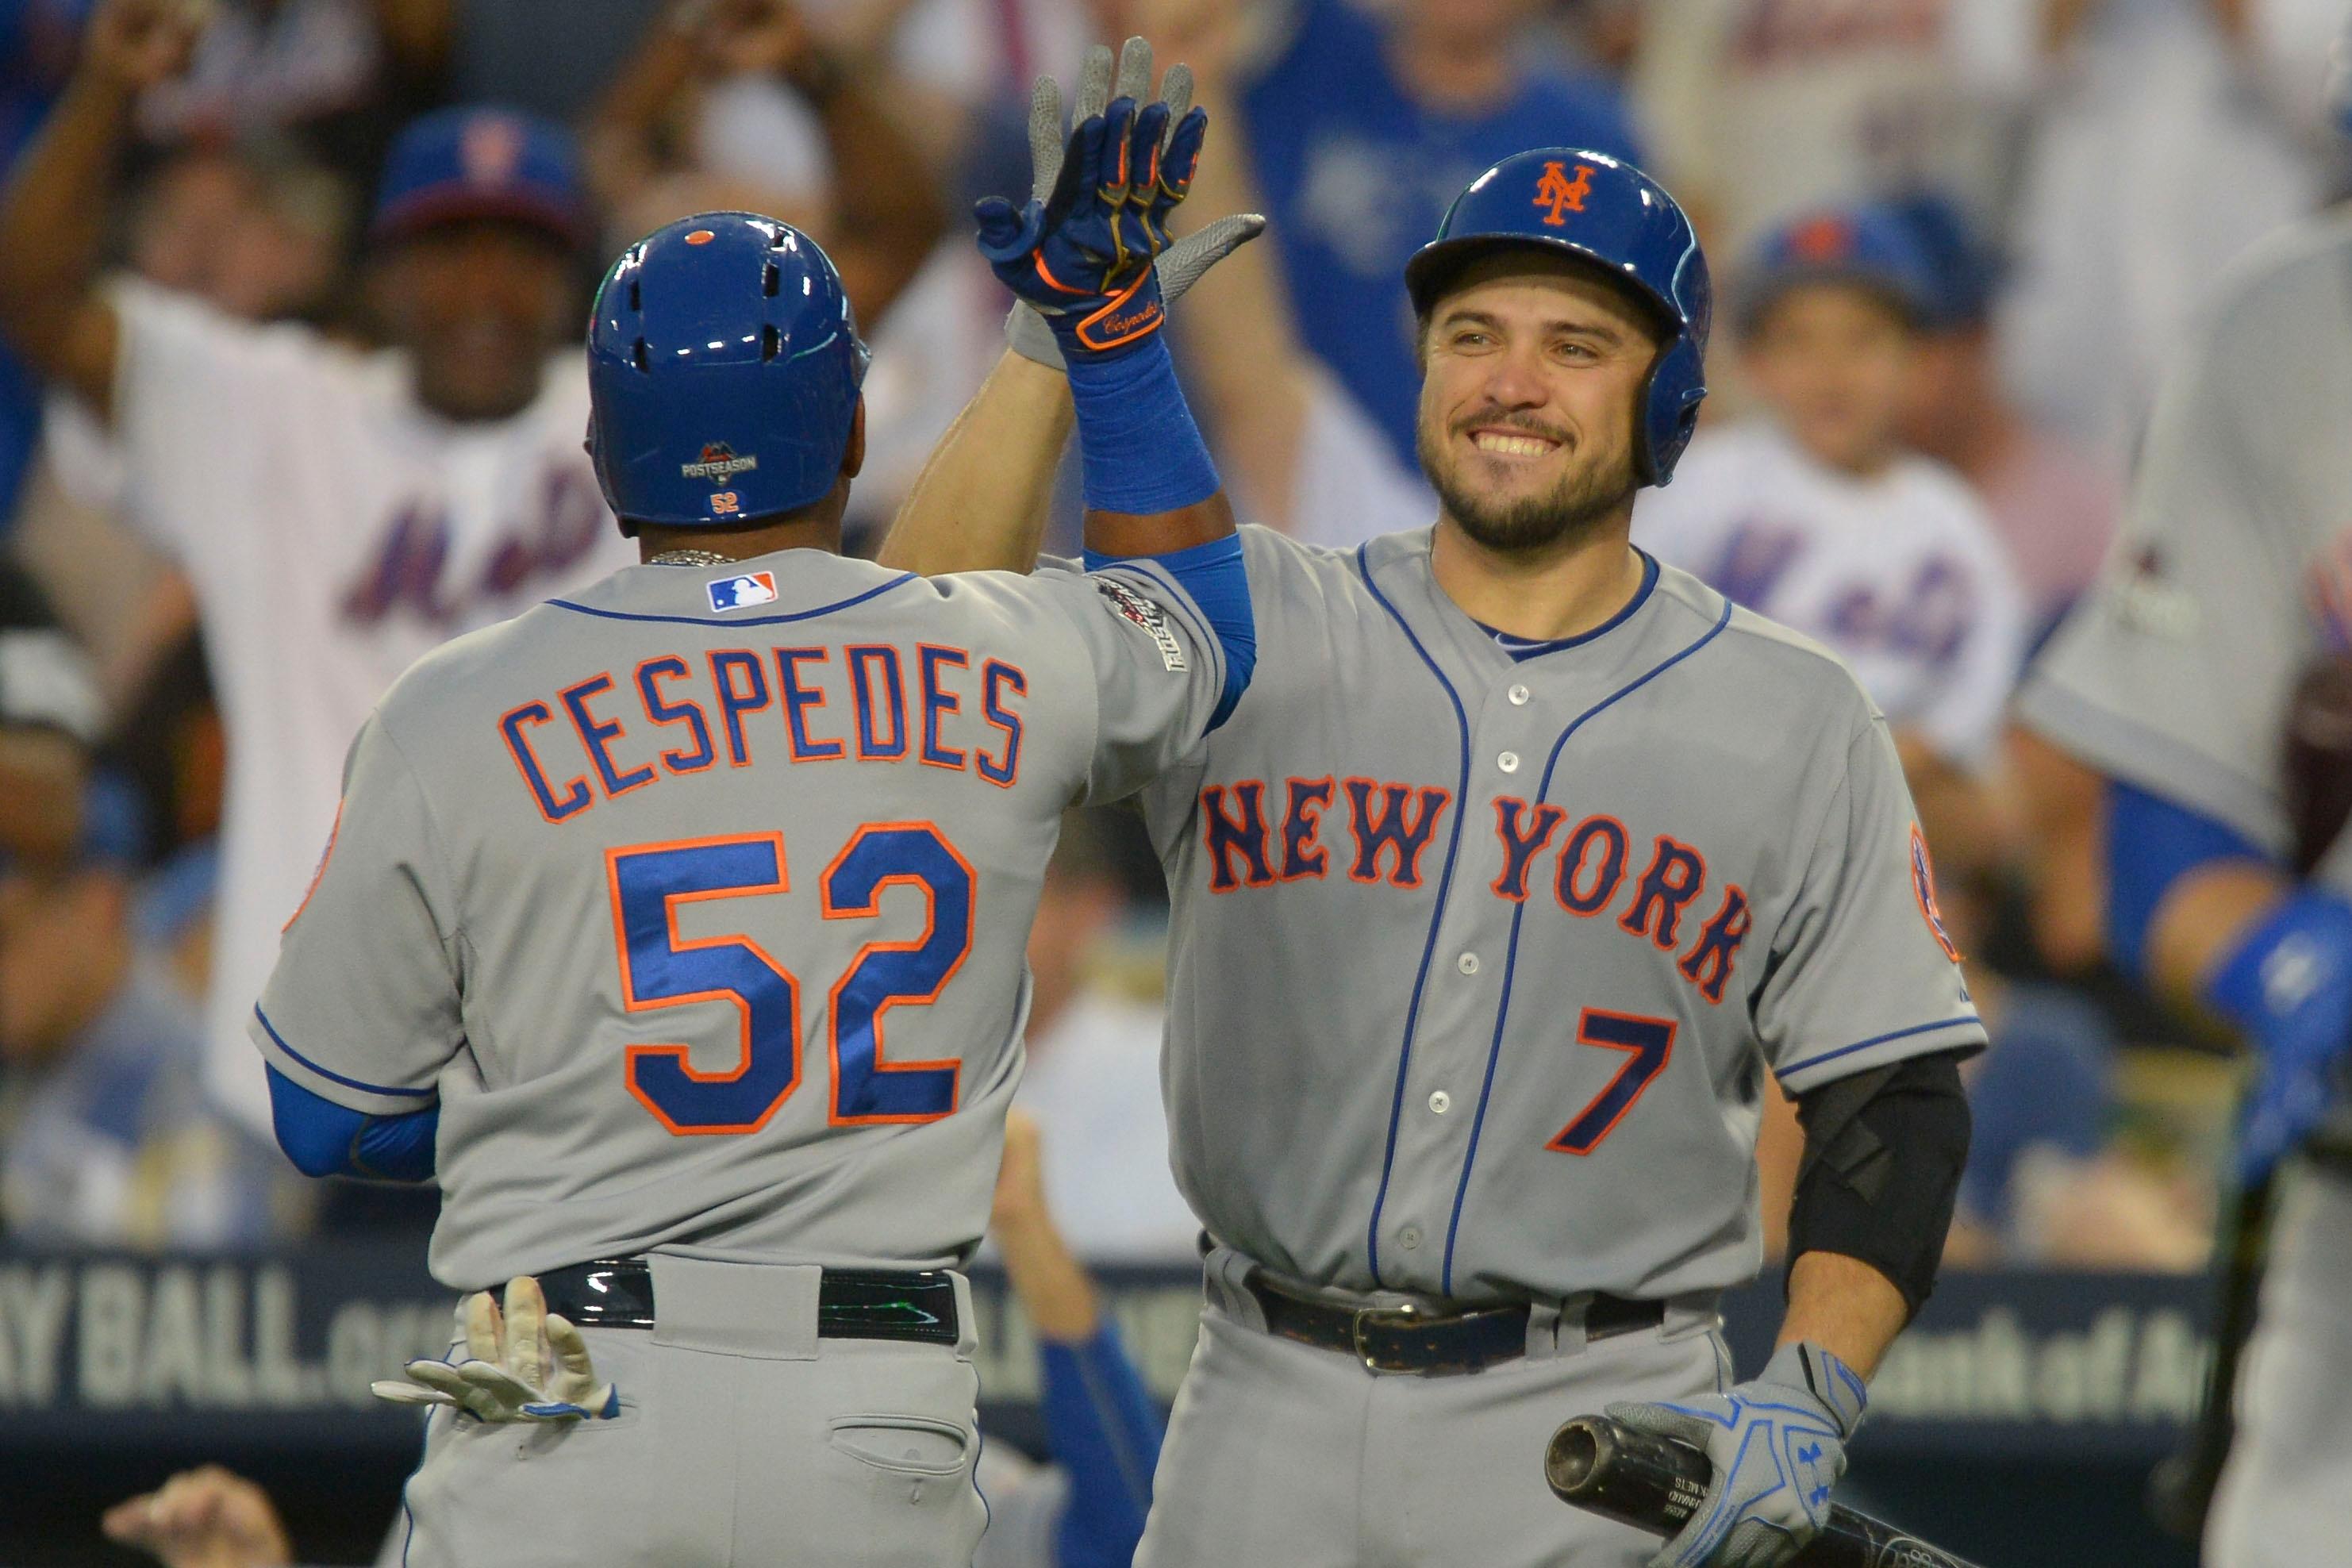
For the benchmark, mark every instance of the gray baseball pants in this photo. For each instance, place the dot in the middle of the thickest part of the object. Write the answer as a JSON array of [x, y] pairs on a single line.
[[2283, 1501], [743, 1441], [1284, 1455]]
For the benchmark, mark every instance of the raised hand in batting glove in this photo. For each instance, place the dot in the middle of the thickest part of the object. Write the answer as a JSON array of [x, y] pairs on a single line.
[[1778, 1446], [1081, 252], [1178, 266], [525, 1364]]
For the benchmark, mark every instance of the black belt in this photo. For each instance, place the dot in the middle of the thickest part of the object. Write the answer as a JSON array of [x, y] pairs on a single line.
[[851, 1303], [1411, 1340]]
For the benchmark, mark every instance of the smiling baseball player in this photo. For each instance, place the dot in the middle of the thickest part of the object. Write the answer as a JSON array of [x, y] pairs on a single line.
[[676, 926], [1522, 862]]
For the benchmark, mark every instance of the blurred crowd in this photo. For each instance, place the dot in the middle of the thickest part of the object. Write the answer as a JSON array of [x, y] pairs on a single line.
[[285, 365]]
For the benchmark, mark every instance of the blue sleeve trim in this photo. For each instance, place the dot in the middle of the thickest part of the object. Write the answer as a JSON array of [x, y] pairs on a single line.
[[1215, 576], [2152, 843], [1104, 1430], [332, 1077], [1952, 1022], [1137, 442], [324, 1139]]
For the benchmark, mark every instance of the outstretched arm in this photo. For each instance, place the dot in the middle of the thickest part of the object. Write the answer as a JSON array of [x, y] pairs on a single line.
[[53, 214], [980, 501]]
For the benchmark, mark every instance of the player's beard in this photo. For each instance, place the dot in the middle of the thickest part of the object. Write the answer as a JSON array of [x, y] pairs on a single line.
[[1587, 496]]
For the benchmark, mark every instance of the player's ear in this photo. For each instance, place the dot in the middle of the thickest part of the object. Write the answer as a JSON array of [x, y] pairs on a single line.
[[852, 455]]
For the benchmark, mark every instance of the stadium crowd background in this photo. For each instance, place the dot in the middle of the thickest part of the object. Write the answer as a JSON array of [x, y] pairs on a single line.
[[2035, 194]]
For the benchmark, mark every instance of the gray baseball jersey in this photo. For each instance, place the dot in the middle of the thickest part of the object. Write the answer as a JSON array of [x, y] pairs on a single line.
[[700, 899], [2233, 570], [2235, 563], [1479, 959]]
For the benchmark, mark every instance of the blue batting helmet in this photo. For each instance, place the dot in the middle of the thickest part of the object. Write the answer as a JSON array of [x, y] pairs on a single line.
[[1609, 212], [723, 373]]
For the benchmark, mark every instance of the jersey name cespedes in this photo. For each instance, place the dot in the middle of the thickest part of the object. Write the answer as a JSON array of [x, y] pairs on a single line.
[[1587, 865], [874, 702]]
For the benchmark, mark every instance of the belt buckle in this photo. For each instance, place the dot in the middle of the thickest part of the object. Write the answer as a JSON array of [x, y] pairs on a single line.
[[1366, 1317]]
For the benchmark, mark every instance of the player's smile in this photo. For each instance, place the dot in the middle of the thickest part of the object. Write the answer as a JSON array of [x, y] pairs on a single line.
[[1511, 443]]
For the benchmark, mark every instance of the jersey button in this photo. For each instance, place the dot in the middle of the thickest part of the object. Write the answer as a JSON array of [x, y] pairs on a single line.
[[1409, 1237], [1441, 1102], [1508, 762], [1467, 963], [1519, 695]]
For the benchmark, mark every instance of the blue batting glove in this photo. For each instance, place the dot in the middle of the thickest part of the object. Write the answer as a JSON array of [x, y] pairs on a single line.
[[2289, 986], [1083, 256], [1778, 1446]]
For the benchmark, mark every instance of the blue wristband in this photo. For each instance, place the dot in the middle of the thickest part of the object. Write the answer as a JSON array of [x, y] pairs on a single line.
[[1141, 452]]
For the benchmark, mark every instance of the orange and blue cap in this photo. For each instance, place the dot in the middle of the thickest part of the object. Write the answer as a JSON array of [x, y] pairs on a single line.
[[471, 163]]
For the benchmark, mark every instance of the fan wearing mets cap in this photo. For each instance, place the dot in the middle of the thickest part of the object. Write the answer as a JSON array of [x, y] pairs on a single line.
[[1522, 861], [1816, 514], [676, 926]]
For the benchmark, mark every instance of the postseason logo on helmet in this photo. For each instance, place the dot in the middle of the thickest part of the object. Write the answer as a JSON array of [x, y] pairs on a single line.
[[719, 462], [737, 593]]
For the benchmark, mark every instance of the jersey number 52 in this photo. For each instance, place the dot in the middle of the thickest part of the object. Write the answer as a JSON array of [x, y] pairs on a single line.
[[659, 968]]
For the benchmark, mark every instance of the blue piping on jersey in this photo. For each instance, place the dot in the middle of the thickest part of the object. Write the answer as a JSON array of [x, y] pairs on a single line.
[[1874, 1041], [425, 1093], [1511, 953], [899, 582], [1436, 915], [1523, 651]]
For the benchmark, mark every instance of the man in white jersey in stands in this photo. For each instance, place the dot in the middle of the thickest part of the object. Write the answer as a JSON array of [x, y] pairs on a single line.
[[1816, 515], [339, 512]]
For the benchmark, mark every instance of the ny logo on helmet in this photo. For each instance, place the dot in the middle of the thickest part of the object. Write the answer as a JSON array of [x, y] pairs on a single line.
[[1560, 195]]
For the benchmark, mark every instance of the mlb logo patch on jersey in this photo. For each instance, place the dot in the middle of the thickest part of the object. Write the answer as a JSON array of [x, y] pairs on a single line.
[[735, 593], [1135, 608]]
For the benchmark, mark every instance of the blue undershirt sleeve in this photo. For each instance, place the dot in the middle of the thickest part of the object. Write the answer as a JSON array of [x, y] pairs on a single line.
[[324, 1139], [1104, 1431], [2152, 843], [1213, 574]]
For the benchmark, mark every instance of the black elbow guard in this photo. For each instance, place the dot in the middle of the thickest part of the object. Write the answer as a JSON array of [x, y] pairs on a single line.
[[1884, 1152]]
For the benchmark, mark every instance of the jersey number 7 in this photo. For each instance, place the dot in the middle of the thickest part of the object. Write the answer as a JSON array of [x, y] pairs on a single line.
[[1649, 1043], [659, 968]]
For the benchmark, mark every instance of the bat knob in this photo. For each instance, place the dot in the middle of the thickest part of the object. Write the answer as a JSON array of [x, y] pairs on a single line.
[[1575, 1453]]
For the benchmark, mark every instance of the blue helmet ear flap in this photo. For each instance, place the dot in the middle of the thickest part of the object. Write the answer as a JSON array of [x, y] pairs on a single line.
[[1670, 408]]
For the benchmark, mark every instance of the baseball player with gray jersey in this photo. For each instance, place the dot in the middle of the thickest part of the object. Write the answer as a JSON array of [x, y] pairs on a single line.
[[1521, 863], [2174, 680], [676, 926]]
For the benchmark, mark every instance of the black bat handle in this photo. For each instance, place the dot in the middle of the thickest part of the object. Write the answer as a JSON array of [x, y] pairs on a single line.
[[1656, 1484]]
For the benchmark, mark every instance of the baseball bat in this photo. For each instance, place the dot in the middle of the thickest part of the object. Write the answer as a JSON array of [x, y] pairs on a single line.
[[1654, 1484], [2180, 1491], [2318, 774]]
